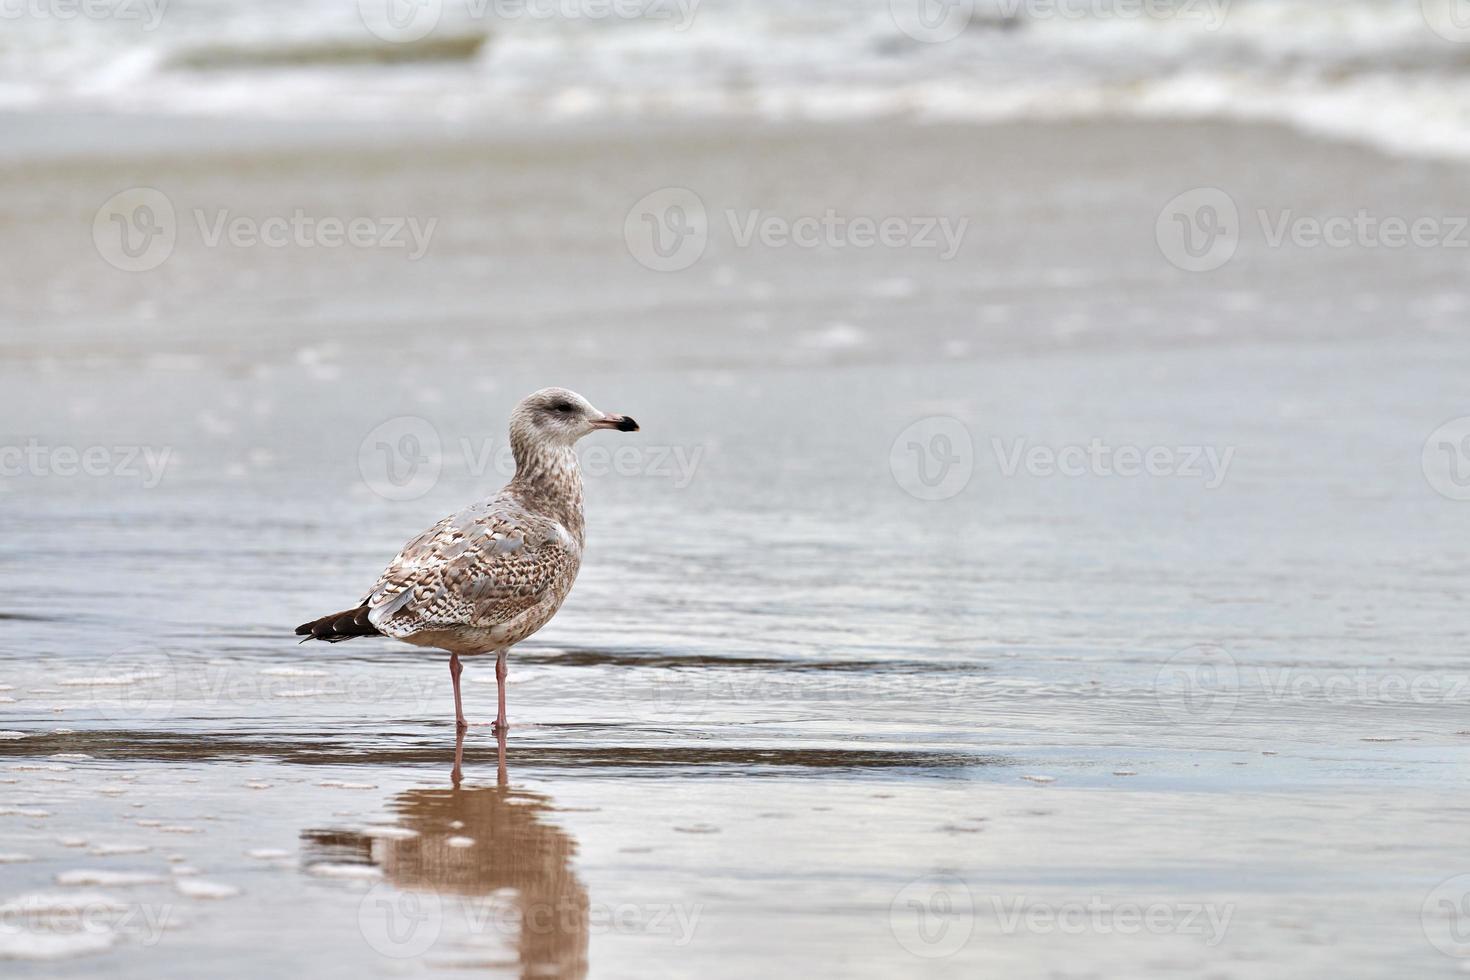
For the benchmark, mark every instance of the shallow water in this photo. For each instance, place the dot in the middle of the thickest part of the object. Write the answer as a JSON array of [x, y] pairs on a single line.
[[795, 714]]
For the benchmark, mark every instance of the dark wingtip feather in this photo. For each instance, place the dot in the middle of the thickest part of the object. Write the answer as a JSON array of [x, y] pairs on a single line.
[[339, 626]]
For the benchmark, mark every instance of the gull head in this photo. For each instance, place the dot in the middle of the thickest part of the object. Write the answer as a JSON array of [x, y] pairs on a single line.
[[559, 417]]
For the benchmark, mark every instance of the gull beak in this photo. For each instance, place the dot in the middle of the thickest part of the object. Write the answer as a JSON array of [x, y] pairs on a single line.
[[623, 423]]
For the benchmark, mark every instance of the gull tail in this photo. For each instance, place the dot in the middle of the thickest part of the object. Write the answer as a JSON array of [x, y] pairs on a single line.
[[339, 626]]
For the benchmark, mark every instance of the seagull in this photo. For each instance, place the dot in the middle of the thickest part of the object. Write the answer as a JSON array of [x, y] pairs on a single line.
[[482, 580]]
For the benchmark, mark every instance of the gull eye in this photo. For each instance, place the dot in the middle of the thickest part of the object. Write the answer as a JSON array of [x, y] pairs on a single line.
[[563, 407]]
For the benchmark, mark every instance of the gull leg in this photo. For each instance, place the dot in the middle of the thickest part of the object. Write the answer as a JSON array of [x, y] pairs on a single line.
[[500, 776], [500, 723], [455, 669], [455, 775]]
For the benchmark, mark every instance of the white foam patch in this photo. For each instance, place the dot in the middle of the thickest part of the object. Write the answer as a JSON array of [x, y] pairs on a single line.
[[199, 888], [267, 853], [110, 680], [14, 858], [10, 735], [460, 841], [26, 943], [108, 879], [339, 784], [329, 870], [108, 850]]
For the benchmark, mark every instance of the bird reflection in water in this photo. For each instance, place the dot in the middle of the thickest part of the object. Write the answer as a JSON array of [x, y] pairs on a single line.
[[516, 878]]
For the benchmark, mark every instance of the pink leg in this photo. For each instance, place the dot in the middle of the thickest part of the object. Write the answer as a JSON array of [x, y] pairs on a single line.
[[455, 669], [500, 723]]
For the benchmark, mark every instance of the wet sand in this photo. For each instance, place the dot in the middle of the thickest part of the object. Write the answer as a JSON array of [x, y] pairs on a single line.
[[794, 714]]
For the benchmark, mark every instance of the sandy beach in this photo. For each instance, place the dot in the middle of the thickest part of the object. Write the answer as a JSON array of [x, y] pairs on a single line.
[[1151, 665]]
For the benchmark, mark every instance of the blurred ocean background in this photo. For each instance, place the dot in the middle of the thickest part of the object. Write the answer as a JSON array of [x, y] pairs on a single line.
[[1386, 72]]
